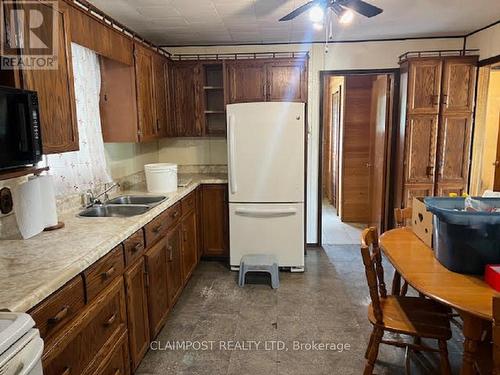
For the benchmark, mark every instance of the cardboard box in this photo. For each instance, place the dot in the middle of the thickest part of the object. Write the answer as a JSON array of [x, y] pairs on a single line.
[[421, 221]]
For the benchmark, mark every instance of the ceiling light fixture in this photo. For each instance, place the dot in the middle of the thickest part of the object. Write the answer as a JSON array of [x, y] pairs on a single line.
[[346, 17], [316, 14]]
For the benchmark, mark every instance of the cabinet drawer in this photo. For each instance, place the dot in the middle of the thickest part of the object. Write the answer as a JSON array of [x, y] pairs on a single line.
[[58, 309], [134, 247], [88, 340], [103, 272], [188, 203], [160, 224], [118, 362]]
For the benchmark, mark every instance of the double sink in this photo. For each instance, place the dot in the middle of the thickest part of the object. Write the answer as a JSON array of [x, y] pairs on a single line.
[[123, 206]]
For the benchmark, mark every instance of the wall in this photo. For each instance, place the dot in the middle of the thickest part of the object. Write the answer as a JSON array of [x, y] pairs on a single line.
[[125, 159], [193, 151], [488, 41], [353, 55]]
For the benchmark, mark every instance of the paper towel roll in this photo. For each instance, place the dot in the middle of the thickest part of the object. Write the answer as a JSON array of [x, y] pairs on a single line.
[[48, 199], [28, 208]]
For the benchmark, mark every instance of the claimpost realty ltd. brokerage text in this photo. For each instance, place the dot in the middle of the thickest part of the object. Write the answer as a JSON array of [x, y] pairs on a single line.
[[248, 345]]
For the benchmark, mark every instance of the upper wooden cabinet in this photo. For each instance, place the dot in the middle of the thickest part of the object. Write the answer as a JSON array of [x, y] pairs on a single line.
[[160, 69], [459, 83], [55, 87], [424, 86], [266, 80]]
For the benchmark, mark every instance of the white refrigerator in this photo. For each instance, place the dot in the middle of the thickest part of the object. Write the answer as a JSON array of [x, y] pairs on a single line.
[[266, 181]]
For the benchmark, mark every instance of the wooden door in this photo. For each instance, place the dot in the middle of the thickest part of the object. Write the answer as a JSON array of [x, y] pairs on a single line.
[[161, 94], [174, 264], [459, 83], [335, 150], [496, 182], [420, 149], [424, 86], [189, 245], [327, 143], [185, 91], [355, 205], [454, 151], [137, 311], [146, 109], [158, 291], [214, 217], [246, 81], [55, 87], [287, 81], [380, 114]]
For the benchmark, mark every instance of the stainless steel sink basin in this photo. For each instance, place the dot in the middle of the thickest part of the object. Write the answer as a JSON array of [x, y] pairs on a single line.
[[104, 210], [138, 199]]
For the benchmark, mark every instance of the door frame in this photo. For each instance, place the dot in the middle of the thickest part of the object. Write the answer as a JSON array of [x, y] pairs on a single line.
[[392, 137]]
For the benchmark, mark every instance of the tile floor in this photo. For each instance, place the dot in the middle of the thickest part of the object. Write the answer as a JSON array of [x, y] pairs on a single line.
[[326, 304], [335, 232]]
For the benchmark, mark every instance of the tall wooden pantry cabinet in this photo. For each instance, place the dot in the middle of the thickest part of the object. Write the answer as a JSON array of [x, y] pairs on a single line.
[[437, 104]]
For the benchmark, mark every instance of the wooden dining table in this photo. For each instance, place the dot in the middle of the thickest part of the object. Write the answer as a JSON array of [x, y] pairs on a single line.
[[468, 294]]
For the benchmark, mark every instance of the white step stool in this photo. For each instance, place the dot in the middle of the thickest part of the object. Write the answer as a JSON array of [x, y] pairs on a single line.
[[260, 263]]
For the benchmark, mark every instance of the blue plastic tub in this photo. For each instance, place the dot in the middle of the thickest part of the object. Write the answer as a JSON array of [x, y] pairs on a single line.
[[465, 242]]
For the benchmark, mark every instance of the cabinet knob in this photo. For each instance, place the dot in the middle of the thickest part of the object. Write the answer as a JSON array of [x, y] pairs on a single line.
[[66, 371], [137, 247], [496, 163], [429, 170], [60, 315], [109, 272], [110, 320]]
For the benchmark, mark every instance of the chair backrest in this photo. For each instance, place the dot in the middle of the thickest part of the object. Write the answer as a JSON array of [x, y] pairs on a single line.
[[496, 335], [372, 259], [402, 216]]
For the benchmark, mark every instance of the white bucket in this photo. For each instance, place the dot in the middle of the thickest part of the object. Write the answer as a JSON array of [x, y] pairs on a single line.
[[161, 177]]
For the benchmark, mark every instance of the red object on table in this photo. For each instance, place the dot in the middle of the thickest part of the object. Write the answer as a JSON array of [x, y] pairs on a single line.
[[492, 276]]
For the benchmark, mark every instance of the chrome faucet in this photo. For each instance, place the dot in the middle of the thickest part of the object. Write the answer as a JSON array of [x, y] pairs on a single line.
[[89, 199]]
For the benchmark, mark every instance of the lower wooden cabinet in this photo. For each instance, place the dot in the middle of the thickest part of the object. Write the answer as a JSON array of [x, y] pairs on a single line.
[[158, 302], [174, 264], [118, 361], [137, 311], [189, 245], [214, 220]]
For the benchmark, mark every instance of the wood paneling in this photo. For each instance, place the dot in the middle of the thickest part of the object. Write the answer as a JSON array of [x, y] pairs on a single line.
[[420, 149], [137, 311], [55, 87], [246, 81], [356, 149], [459, 78], [93, 34], [146, 108], [214, 218], [158, 301], [174, 263], [424, 86], [189, 245], [287, 81]]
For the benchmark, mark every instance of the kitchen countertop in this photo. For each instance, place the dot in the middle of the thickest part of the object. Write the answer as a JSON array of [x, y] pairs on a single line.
[[31, 270]]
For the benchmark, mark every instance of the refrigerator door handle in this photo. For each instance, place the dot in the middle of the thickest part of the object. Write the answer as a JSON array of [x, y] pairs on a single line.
[[266, 212], [232, 162]]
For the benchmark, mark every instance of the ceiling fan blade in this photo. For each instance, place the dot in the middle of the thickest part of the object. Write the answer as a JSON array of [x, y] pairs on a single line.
[[361, 7], [301, 9]]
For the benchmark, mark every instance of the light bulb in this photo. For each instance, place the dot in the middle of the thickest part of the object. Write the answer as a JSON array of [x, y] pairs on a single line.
[[346, 17], [318, 26], [316, 14]]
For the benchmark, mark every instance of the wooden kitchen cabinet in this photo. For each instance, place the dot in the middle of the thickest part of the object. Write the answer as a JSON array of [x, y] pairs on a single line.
[[424, 86], [55, 87], [137, 311], [174, 263], [185, 97], [189, 244], [287, 81], [118, 362], [214, 220], [160, 64], [246, 81], [459, 83], [157, 279]]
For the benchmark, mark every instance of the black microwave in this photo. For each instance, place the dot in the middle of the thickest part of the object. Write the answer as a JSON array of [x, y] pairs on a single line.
[[20, 136]]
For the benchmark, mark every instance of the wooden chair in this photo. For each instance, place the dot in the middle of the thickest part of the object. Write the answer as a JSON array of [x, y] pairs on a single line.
[[412, 316], [401, 218]]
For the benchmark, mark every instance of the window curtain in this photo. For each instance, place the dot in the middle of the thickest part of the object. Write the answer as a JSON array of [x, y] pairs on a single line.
[[75, 172]]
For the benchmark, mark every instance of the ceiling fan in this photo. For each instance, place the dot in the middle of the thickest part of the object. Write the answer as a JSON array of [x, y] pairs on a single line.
[[339, 7]]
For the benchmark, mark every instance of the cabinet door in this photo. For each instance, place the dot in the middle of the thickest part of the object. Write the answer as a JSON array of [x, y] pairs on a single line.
[[459, 83], [146, 110], [156, 268], [454, 149], [424, 86], [174, 264], [185, 97], [416, 191], [246, 81], [214, 218], [420, 149], [189, 245], [287, 81], [137, 311], [161, 96], [55, 87]]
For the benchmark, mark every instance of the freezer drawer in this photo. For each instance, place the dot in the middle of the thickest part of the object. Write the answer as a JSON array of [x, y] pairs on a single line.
[[272, 228]]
